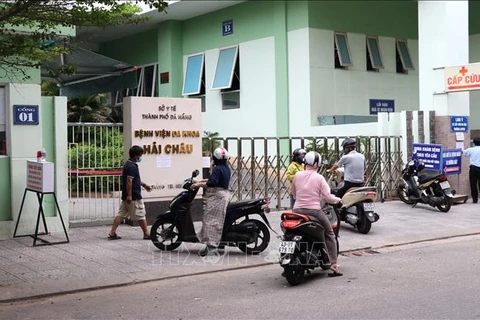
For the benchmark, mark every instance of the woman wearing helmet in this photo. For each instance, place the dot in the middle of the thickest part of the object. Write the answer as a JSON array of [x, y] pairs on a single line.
[[218, 196], [298, 159], [354, 163], [309, 188]]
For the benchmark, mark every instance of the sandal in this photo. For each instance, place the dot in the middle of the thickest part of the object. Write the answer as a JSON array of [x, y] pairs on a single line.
[[113, 237], [146, 237], [335, 272]]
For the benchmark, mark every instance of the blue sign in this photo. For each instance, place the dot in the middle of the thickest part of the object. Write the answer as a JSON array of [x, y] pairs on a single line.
[[227, 27], [430, 154], [25, 114], [381, 105], [452, 161], [459, 124]]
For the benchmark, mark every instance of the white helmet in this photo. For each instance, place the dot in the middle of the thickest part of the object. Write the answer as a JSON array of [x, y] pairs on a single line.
[[313, 158], [220, 153]]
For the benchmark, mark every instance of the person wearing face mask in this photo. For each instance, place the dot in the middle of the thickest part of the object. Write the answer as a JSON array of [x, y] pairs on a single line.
[[132, 204], [298, 159]]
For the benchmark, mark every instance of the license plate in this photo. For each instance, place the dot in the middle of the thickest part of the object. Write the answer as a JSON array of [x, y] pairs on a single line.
[[287, 247], [445, 185], [368, 206]]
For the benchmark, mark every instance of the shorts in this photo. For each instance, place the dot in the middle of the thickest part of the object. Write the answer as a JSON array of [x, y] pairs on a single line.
[[134, 210]]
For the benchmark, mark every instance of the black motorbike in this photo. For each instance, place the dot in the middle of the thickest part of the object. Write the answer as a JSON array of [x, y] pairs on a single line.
[[175, 226], [303, 245], [427, 188]]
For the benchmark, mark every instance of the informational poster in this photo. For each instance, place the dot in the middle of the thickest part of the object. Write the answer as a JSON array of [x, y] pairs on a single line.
[[430, 154]]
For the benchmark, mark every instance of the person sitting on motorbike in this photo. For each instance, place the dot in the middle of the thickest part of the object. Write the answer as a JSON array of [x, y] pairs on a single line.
[[218, 196], [309, 188], [354, 164], [297, 164]]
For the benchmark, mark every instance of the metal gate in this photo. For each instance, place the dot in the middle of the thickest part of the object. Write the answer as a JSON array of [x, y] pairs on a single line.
[[95, 157], [258, 166]]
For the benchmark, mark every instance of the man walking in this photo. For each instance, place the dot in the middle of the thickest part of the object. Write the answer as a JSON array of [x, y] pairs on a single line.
[[132, 204], [474, 154]]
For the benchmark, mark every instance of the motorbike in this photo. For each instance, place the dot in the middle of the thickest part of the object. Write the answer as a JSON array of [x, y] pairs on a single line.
[[175, 226], [427, 188], [303, 248], [358, 207]]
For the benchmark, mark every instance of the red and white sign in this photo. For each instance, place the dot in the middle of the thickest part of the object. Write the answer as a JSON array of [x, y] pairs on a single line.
[[40, 176], [462, 78]]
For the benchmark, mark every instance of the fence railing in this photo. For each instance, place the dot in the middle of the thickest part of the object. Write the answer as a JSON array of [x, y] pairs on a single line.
[[258, 166]]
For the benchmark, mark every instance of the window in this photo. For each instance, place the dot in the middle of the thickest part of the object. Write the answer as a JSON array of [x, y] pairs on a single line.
[[227, 77], [147, 85], [194, 82], [193, 74], [225, 68], [374, 59], [404, 61], [342, 51], [3, 123]]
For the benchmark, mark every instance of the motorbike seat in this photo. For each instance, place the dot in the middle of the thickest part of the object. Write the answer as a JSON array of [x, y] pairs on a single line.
[[243, 203], [428, 176]]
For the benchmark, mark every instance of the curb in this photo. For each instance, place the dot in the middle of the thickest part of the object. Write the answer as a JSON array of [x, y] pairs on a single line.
[[184, 275]]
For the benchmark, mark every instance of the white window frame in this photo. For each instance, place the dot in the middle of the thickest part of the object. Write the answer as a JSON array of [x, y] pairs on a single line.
[[372, 61], [340, 58], [232, 68], [199, 78], [142, 76], [397, 47]]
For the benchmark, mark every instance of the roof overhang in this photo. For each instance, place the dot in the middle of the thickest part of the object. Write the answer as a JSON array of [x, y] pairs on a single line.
[[94, 73]]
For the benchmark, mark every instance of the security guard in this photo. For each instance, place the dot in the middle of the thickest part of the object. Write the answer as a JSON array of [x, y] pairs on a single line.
[[474, 154]]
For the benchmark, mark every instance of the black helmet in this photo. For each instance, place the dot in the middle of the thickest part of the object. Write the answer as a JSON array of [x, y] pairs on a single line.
[[349, 143], [299, 155]]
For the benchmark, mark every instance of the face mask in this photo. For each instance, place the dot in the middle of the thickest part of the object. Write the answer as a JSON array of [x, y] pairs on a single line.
[[301, 160], [140, 159]]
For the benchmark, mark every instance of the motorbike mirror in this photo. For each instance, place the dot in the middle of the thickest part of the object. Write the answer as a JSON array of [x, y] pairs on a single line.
[[195, 173]]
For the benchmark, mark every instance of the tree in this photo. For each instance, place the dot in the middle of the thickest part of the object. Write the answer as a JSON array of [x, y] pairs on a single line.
[[43, 20], [88, 109]]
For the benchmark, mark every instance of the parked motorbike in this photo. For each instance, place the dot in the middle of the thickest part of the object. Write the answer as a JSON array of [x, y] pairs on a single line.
[[427, 188], [303, 244], [175, 226], [358, 208]]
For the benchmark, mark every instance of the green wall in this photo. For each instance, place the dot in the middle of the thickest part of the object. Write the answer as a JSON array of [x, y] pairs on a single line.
[[13, 75], [251, 20], [137, 49], [5, 190], [397, 19], [48, 137], [170, 57]]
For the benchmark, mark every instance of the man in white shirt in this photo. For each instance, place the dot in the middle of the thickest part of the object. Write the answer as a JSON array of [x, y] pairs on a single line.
[[474, 154]]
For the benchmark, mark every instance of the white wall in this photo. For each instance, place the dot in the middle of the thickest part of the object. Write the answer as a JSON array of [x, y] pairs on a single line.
[[257, 113], [474, 48], [337, 91]]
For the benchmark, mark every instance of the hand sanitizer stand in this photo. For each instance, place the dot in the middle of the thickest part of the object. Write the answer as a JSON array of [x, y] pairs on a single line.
[[40, 179]]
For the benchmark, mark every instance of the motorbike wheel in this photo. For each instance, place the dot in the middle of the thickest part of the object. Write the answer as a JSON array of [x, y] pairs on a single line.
[[163, 230], [402, 192], [445, 207], [263, 235], [363, 225], [294, 272]]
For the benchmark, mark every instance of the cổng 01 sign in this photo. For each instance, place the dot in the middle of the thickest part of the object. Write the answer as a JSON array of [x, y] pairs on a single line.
[[25, 115]]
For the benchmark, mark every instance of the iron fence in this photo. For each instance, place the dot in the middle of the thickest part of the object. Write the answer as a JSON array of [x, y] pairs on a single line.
[[258, 164]]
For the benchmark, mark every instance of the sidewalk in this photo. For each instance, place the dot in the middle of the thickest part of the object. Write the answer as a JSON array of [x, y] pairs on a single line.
[[91, 261]]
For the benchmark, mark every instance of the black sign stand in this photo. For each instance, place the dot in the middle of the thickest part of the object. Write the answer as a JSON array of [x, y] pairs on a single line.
[[42, 214]]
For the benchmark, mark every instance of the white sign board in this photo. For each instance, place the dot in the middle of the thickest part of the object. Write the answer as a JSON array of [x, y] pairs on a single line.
[[40, 176], [462, 78], [169, 131]]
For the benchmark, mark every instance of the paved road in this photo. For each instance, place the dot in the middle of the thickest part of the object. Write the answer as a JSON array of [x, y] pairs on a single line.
[[435, 280]]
